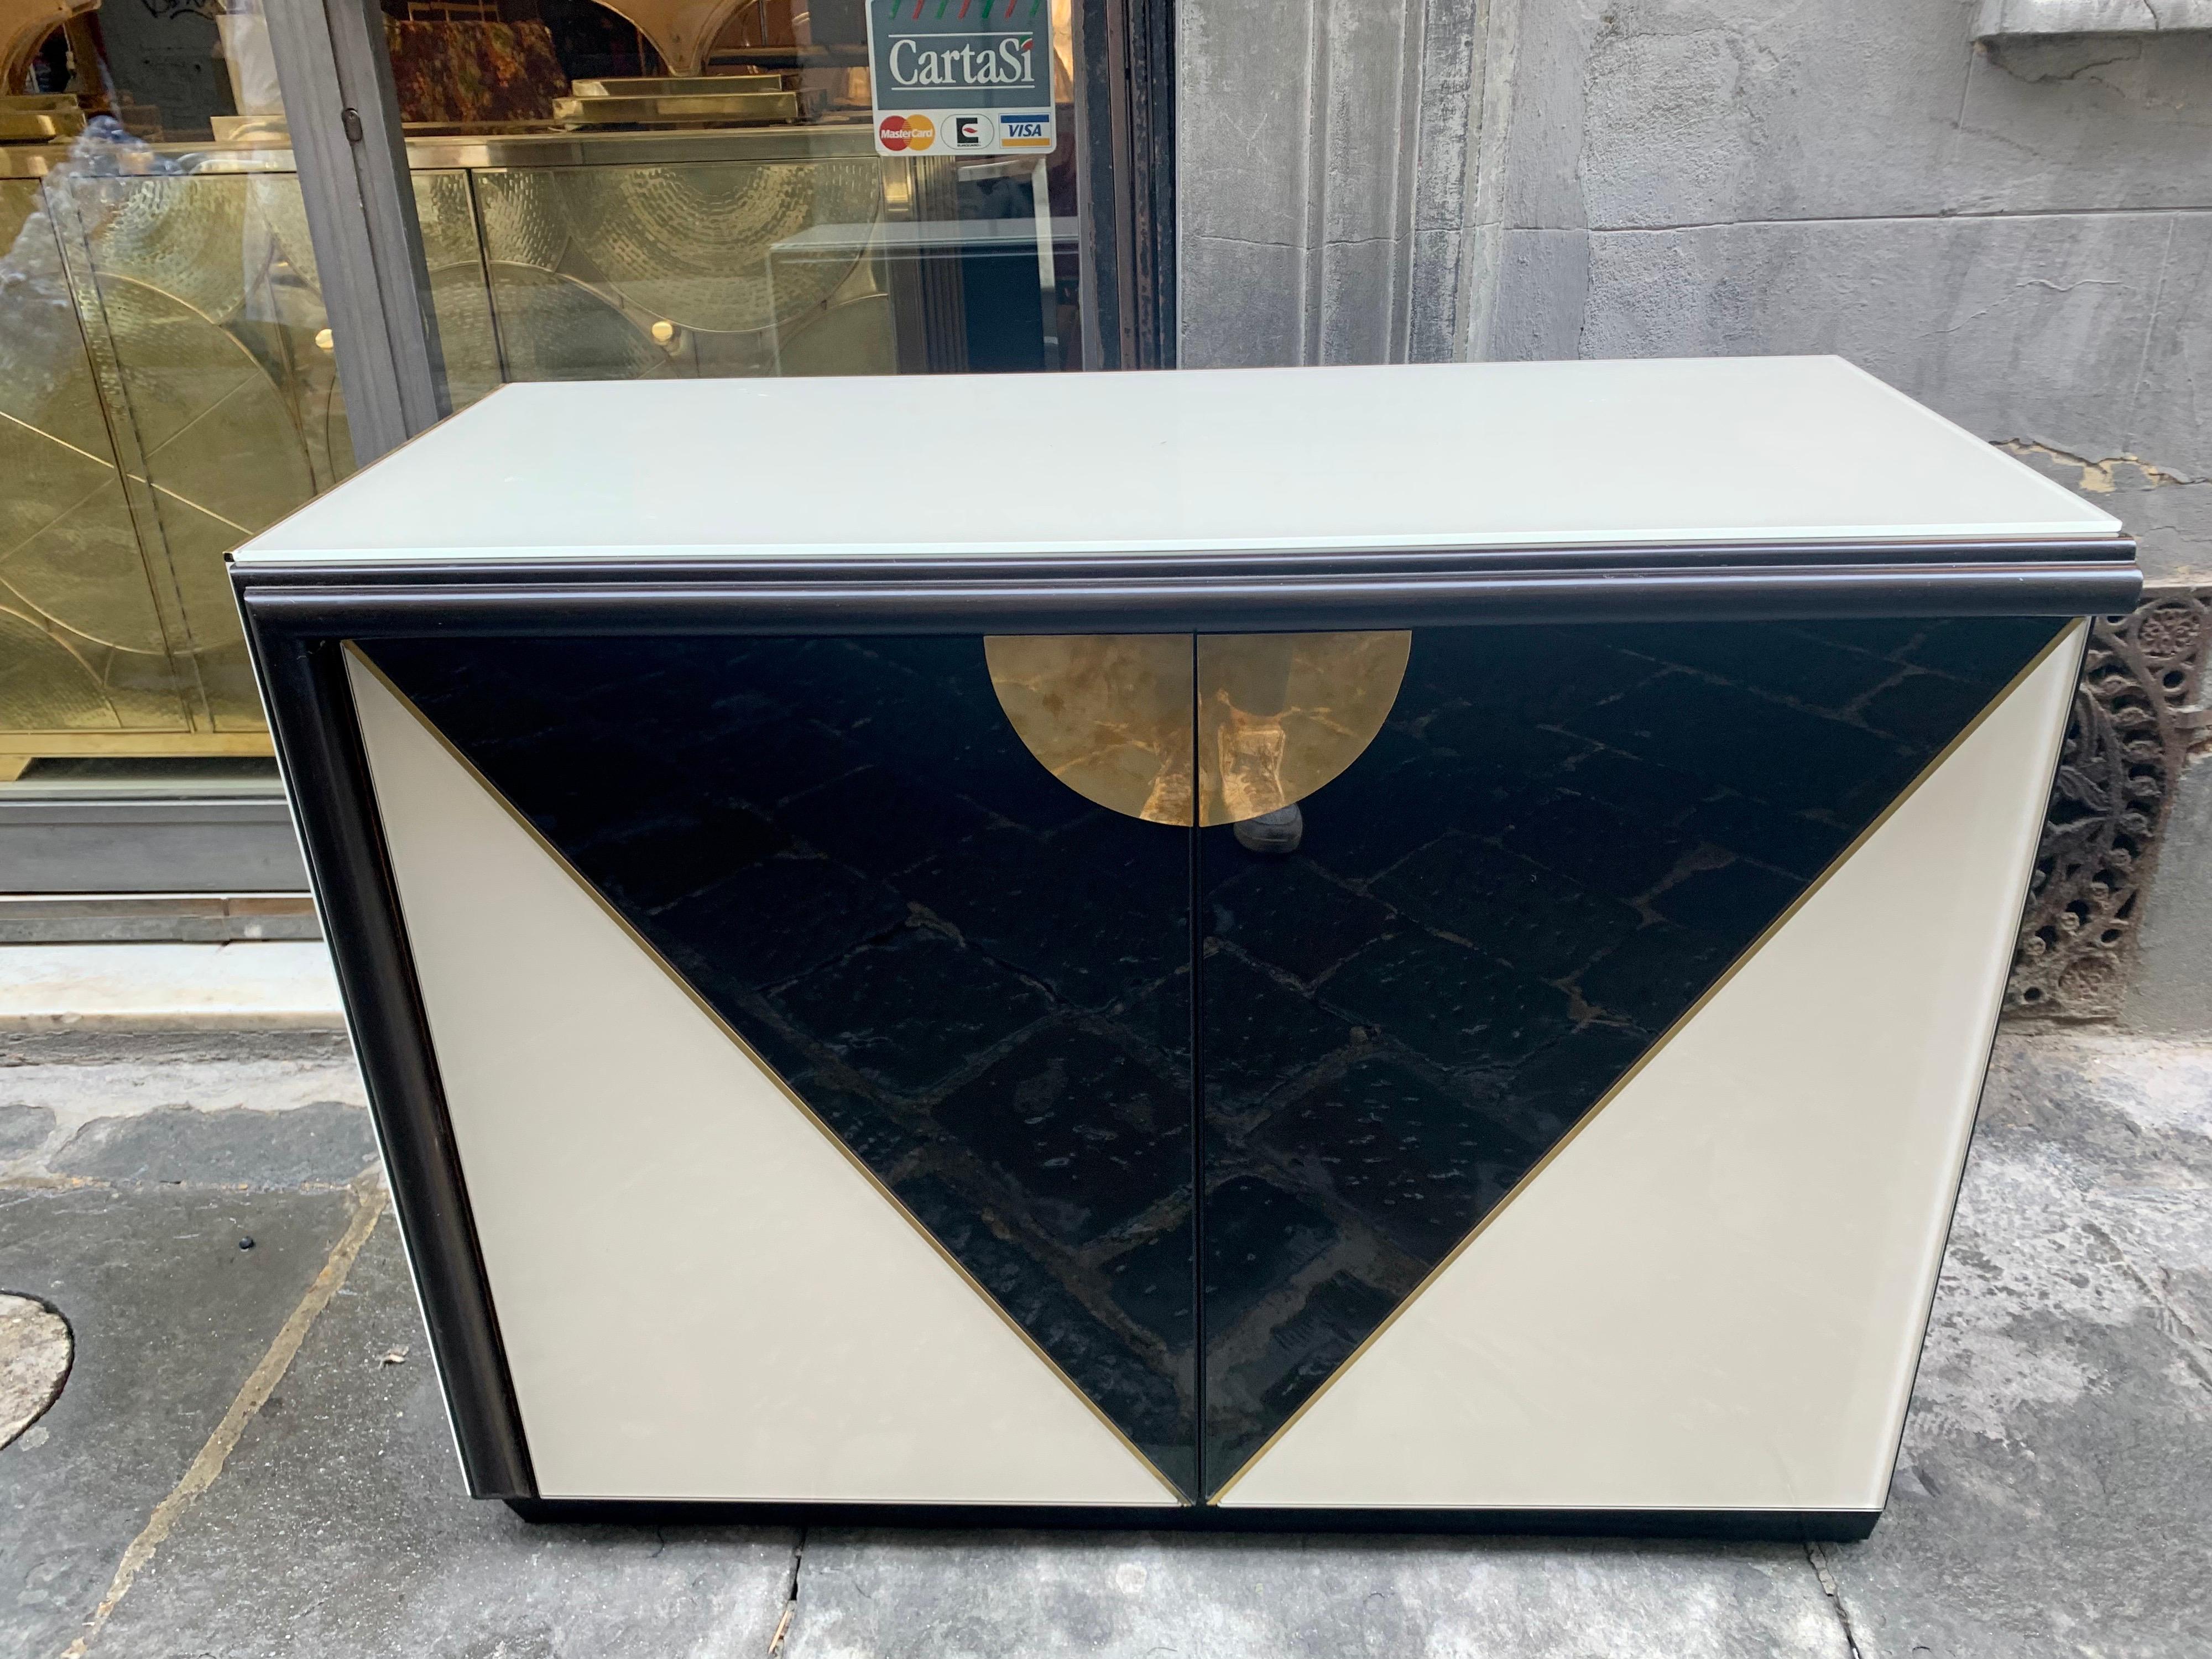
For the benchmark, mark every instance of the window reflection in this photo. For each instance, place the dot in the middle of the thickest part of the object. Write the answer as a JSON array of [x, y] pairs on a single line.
[[665, 188]]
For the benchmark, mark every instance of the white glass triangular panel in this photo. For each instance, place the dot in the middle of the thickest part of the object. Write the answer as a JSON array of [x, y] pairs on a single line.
[[700, 1296], [1713, 1297]]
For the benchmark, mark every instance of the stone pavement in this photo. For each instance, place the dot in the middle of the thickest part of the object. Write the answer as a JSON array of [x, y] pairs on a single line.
[[250, 1457]]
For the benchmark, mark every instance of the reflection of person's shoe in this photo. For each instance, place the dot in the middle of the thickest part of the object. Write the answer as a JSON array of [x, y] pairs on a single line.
[[1279, 831]]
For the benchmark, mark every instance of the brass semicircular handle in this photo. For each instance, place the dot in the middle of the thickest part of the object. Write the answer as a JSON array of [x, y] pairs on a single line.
[[1270, 718]]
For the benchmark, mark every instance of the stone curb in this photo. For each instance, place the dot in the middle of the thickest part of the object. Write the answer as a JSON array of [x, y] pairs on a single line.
[[233, 987]]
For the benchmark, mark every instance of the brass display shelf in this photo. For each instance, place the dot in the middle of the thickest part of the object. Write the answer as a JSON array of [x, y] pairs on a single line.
[[705, 108], [432, 149], [33, 117], [19, 749], [674, 86]]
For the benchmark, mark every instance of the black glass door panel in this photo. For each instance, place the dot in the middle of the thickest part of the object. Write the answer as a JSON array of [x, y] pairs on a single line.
[[976, 979], [982, 984], [1561, 838]]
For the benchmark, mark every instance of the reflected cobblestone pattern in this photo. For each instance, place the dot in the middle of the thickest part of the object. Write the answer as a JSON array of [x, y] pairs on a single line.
[[953, 959], [981, 982], [1560, 840]]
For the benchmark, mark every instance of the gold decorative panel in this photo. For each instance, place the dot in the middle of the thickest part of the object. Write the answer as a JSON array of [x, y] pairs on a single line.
[[1270, 718], [209, 368], [621, 272], [168, 381], [84, 652]]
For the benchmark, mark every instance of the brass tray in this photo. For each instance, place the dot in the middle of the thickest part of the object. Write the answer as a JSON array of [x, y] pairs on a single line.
[[675, 86], [762, 108]]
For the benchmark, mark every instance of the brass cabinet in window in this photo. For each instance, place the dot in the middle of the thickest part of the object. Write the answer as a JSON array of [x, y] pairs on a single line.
[[168, 387]]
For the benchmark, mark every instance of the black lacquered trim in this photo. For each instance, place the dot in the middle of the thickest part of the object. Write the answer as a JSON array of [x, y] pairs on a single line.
[[1171, 563], [1175, 593], [1175, 563], [1789, 1526], [326, 774]]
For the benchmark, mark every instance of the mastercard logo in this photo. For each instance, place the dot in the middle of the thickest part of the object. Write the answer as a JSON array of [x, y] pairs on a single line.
[[907, 132]]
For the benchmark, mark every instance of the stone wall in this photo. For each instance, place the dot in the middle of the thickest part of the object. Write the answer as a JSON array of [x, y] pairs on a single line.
[[2011, 225], [2014, 232], [2017, 231], [1324, 179]]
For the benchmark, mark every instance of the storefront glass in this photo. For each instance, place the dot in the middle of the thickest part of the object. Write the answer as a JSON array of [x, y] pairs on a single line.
[[681, 188]]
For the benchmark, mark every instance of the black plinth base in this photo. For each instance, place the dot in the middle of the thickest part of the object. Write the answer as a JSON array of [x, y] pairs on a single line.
[[1786, 1526]]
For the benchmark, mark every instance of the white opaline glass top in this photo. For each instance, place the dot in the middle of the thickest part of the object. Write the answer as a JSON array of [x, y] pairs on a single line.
[[1468, 455]]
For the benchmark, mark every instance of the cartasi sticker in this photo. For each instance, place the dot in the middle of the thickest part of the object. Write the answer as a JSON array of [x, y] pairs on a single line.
[[973, 77]]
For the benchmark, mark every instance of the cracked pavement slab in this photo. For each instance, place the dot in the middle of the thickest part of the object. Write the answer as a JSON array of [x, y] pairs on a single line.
[[2053, 1494], [339, 1527], [2055, 1487], [170, 1316]]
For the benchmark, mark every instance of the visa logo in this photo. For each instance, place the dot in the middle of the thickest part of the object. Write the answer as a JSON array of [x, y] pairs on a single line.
[[1024, 129]]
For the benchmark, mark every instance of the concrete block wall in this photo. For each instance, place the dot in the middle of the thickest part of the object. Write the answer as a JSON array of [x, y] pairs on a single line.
[[2017, 231]]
